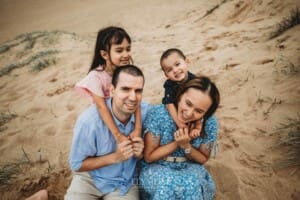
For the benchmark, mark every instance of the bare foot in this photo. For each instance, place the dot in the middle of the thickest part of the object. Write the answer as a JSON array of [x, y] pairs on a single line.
[[40, 195]]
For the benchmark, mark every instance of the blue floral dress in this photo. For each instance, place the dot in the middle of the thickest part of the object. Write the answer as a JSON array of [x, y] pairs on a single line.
[[181, 180]]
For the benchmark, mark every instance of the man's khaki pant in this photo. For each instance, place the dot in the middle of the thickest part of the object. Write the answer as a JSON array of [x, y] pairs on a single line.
[[83, 188]]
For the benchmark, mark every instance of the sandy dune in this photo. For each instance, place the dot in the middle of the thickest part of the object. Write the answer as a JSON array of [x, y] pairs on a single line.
[[46, 47]]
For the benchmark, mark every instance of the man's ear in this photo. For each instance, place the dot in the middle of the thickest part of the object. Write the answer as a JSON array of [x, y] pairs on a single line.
[[104, 54], [111, 90]]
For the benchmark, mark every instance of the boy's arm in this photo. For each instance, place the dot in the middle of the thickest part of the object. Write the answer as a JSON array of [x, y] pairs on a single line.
[[196, 128], [173, 112], [108, 119]]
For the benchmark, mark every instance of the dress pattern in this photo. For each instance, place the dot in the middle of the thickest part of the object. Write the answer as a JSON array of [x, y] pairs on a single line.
[[182, 180]]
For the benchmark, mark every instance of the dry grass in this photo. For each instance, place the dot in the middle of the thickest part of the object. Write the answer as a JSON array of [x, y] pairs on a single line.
[[48, 37], [39, 61], [5, 118], [287, 23], [11, 170], [289, 137], [35, 49], [211, 10]]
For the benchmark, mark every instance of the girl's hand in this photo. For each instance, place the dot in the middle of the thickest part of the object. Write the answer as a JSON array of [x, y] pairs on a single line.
[[138, 147], [121, 138], [135, 133], [182, 137]]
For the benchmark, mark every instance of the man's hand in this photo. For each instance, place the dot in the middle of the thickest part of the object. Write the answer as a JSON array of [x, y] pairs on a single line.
[[124, 151], [138, 147]]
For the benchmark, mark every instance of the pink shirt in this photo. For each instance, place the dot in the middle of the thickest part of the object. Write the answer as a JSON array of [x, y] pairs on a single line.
[[97, 82]]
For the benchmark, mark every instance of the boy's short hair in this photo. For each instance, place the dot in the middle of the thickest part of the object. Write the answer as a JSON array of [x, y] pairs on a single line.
[[168, 52]]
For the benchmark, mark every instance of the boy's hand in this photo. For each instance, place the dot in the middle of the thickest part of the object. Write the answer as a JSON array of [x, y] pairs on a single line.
[[196, 128], [194, 133]]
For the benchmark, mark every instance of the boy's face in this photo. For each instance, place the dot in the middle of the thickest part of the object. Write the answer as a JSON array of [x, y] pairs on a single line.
[[175, 67]]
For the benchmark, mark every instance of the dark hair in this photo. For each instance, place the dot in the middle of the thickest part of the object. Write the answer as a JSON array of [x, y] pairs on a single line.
[[129, 69], [167, 52], [205, 85], [105, 38]]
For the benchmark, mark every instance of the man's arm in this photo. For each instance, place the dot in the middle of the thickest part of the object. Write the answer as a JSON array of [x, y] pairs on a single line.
[[124, 152]]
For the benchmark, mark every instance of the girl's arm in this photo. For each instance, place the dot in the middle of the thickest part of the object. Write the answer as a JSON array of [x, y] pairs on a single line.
[[138, 124], [108, 119], [173, 112], [153, 151]]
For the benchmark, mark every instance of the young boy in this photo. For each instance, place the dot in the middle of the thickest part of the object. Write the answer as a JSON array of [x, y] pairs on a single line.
[[175, 66]]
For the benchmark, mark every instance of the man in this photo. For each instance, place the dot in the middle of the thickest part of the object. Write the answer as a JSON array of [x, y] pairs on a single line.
[[103, 168]]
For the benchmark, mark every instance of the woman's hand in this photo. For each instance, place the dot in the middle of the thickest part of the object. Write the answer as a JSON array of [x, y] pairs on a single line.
[[182, 137]]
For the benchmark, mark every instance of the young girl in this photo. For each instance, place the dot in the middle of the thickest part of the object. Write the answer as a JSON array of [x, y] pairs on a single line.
[[175, 67], [112, 50]]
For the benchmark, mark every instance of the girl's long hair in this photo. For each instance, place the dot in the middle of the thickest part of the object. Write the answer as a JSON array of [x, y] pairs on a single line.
[[105, 38]]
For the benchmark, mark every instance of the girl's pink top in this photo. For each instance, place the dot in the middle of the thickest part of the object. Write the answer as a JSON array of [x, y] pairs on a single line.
[[97, 82]]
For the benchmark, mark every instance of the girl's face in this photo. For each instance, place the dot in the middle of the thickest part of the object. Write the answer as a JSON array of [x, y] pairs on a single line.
[[120, 54], [175, 67], [192, 105]]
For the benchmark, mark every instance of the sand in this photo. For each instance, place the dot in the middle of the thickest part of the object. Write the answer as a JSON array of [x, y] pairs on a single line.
[[229, 41]]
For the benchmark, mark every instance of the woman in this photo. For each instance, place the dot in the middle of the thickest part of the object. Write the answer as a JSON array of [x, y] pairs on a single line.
[[174, 160]]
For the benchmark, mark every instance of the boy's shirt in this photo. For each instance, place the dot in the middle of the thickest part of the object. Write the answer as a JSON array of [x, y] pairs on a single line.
[[171, 88]]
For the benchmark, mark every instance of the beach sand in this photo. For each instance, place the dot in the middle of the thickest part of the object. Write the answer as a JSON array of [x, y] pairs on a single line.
[[47, 46]]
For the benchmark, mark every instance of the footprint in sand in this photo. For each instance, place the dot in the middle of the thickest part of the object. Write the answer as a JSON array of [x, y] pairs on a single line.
[[70, 121], [60, 90], [50, 131], [264, 61], [70, 107]]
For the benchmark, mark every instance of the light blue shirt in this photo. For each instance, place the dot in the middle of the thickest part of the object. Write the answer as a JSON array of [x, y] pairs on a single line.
[[92, 138]]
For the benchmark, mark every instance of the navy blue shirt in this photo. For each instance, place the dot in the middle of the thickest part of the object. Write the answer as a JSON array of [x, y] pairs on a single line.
[[171, 88]]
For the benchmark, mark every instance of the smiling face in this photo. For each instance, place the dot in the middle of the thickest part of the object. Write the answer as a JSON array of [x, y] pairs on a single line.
[[127, 95], [119, 55], [175, 67], [192, 105]]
